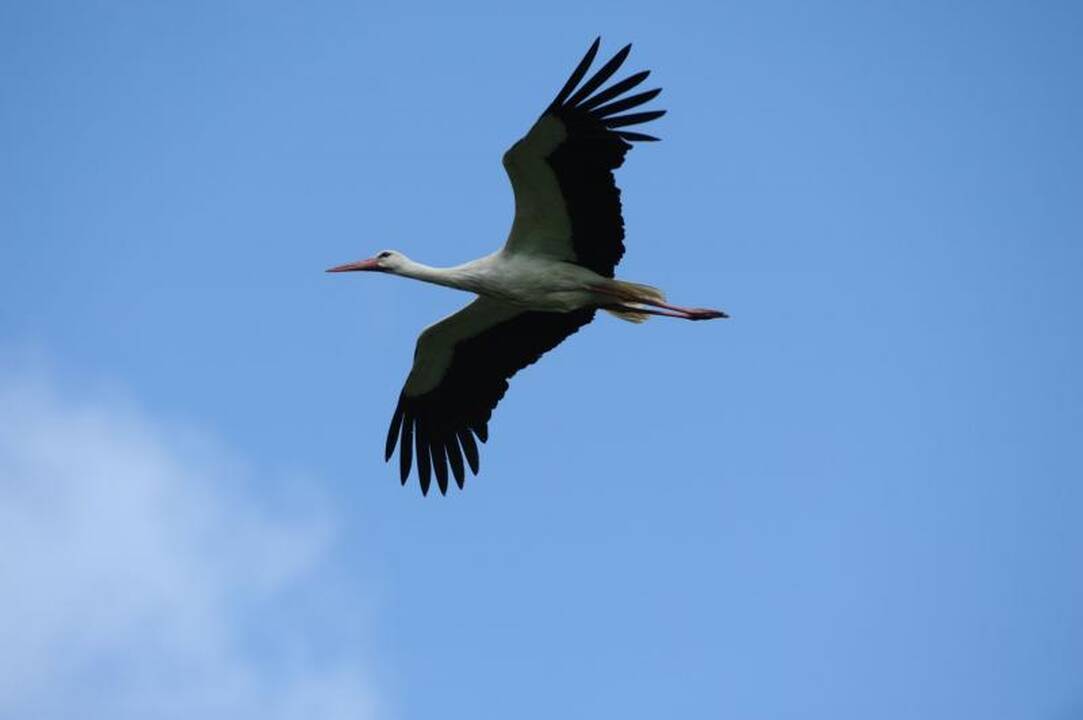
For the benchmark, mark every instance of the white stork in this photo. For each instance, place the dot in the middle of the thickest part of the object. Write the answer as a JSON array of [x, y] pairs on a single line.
[[553, 273]]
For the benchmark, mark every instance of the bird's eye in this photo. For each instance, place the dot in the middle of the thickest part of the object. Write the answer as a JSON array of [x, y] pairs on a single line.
[[384, 254]]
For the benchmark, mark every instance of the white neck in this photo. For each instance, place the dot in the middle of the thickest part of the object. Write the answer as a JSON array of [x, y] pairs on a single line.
[[453, 277]]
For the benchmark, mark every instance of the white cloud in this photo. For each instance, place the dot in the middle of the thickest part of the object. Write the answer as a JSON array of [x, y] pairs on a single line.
[[141, 575]]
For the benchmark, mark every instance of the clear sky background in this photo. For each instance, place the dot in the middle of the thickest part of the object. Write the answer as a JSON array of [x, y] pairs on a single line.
[[861, 497]]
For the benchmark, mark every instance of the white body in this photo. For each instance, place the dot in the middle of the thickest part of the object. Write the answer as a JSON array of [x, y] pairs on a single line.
[[529, 282]]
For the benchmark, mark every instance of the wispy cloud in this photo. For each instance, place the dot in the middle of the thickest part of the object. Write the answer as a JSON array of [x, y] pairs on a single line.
[[143, 577]]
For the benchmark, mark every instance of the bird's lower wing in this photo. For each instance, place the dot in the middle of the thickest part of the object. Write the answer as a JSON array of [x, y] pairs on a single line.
[[462, 365]]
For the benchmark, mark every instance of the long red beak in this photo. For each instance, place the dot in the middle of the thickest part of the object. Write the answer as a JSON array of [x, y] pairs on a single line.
[[370, 264]]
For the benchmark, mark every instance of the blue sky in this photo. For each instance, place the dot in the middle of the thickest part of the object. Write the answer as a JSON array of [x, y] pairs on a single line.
[[860, 497]]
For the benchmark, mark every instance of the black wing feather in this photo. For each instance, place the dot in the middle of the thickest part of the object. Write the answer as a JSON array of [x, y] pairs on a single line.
[[627, 103], [406, 454], [455, 459], [633, 119], [634, 136], [393, 434], [424, 470], [470, 449], [439, 461]]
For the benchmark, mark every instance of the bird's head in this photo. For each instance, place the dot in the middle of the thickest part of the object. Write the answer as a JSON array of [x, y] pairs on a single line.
[[385, 261]]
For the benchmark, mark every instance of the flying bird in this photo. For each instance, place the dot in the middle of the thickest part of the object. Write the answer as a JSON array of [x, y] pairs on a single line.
[[553, 273]]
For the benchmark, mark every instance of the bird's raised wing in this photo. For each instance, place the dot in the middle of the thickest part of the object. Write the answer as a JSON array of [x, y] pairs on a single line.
[[567, 205], [462, 365]]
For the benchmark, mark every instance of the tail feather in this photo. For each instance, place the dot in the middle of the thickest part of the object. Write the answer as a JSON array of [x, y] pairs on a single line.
[[636, 292]]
